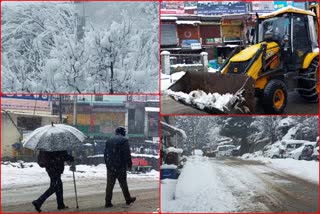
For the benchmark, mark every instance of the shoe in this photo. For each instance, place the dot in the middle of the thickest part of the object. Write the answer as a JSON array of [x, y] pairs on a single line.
[[131, 200], [36, 206], [63, 207], [108, 205]]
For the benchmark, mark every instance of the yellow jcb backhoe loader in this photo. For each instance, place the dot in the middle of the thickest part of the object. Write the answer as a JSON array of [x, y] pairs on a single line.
[[284, 58]]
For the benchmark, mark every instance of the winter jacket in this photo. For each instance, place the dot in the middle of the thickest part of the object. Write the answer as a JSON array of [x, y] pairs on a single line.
[[117, 153], [56, 161]]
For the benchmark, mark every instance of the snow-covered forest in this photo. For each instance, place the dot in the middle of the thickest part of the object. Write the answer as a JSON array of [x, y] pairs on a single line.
[[56, 47], [251, 133]]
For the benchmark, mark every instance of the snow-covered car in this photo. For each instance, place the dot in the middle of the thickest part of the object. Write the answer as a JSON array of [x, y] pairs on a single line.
[[225, 150], [282, 148], [272, 151], [296, 154], [290, 145], [307, 151]]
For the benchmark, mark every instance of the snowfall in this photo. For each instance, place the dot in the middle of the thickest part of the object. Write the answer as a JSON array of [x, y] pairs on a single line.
[[208, 185], [21, 174], [198, 98]]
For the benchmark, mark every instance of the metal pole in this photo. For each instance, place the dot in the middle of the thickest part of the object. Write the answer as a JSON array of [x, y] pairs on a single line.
[[75, 189], [60, 109], [75, 110]]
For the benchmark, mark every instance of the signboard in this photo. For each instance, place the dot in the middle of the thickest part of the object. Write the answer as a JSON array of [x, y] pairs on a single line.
[[218, 8], [27, 103], [280, 4], [174, 7], [262, 7]]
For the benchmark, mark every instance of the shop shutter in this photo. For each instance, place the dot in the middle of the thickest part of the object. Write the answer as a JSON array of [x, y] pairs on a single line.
[[168, 34]]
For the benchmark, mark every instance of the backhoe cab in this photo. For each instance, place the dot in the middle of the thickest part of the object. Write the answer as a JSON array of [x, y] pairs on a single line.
[[284, 58]]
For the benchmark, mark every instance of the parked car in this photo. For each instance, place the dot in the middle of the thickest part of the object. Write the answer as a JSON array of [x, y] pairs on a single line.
[[307, 151], [225, 150], [297, 153], [281, 149], [315, 155], [236, 151]]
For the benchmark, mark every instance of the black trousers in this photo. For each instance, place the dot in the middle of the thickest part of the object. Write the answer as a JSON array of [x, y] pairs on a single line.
[[112, 176], [55, 187]]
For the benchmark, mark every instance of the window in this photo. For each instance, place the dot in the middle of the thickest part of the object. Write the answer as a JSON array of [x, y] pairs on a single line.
[[98, 98]]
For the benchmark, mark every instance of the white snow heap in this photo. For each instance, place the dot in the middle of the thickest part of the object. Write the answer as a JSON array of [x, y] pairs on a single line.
[[172, 149], [291, 133], [168, 166], [201, 99], [180, 131]]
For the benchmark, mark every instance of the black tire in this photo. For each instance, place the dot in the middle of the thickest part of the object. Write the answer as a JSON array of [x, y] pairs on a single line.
[[311, 94], [273, 103]]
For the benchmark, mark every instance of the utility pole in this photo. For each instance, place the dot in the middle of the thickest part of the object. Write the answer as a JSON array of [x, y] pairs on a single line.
[[75, 110], [60, 109]]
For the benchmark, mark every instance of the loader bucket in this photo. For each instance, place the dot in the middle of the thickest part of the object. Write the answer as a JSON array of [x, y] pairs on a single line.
[[241, 87]]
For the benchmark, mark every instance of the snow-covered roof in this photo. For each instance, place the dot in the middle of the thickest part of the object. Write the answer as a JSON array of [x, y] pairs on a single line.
[[152, 109], [187, 22], [33, 114], [285, 122], [168, 18], [294, 141], [172, 149], [177, 130]]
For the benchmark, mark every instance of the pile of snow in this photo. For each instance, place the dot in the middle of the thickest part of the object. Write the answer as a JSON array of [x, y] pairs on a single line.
[[172, 149], [169, 166], [212, 70], [185, 65], [307, 170], [198, 152], [201, 99], [198, 189], [15, 175]]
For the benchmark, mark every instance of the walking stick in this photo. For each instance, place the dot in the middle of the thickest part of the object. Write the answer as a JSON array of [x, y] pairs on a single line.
[[75, 189]]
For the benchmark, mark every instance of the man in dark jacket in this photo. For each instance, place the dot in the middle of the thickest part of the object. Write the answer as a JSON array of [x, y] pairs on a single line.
[[118, 159], [54, 167]]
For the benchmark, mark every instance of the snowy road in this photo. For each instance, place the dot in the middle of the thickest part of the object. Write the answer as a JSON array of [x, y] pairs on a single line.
[[23, 182], [235, 185], [91, 197]]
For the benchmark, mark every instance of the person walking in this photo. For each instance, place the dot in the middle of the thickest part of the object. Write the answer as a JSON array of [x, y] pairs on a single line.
[[117, 157], [54, 164]]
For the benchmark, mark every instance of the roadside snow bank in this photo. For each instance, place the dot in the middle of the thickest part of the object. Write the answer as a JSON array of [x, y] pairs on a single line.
[[15, 175], [198, 189], [307, 170]]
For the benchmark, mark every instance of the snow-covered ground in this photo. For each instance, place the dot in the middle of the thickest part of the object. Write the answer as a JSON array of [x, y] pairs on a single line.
[[13, 176], [193, 190], [238, 185], [308, 170]]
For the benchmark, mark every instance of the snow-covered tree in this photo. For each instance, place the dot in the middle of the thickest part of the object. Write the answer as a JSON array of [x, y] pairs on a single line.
[[28, 31], [43, 53]]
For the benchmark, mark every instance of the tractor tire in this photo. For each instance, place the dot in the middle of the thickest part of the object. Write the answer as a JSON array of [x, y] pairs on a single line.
[[275, 97], [311, 85]]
